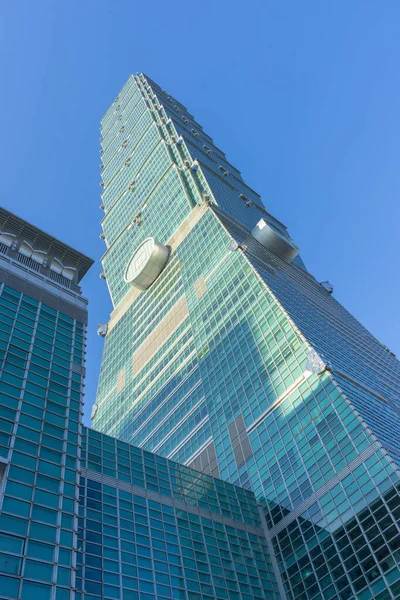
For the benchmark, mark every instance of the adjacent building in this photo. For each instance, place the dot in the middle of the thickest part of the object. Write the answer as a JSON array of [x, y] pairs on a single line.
[[43, 320], [223, 353]]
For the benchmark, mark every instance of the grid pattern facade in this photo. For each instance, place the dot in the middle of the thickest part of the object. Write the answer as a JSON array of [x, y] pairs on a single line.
[[151, 528], [85, 516], [366, 370], [42, 355]]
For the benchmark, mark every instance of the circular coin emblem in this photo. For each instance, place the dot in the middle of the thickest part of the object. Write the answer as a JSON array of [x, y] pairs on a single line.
[[146, 264]]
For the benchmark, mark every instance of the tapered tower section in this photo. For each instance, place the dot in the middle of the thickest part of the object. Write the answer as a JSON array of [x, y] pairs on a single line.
[[224, 353]]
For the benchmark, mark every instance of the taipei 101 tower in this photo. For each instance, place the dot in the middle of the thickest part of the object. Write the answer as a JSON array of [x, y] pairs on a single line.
[[225, 354]]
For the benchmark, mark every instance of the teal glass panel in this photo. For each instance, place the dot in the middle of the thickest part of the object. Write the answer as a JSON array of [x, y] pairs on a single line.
[[38, 570], [39, 550], [9, 587], [13, 524], [10, 564], [38, 591], [10, 543]]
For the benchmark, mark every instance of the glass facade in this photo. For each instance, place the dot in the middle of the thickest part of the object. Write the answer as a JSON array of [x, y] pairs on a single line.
[[84, 516], [237, 362], [42, 348], [151, 528]]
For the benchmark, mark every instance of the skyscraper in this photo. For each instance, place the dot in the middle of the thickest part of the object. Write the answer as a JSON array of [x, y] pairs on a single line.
[[224, 353]]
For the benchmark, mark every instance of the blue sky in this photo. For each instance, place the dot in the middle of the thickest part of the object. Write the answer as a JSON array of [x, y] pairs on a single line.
[[302, 96]]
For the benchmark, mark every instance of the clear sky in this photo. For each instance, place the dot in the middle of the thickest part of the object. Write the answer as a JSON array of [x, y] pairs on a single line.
[[303, 96]]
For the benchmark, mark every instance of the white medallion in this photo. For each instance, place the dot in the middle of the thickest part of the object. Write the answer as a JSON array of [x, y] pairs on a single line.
[[146, 264]]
